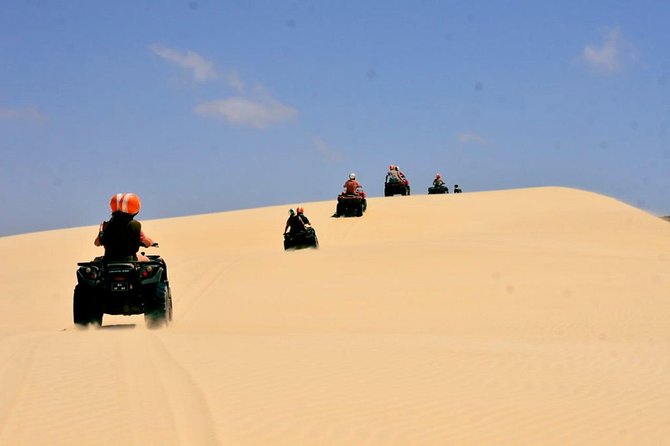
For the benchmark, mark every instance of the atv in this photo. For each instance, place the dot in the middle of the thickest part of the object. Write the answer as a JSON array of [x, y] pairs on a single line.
[[392, 188], [349, 205], [122, 287], [442, 189], [302, 239]]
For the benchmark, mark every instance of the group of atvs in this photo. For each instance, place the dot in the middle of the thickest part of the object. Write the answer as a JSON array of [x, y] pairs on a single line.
[[142, 287], [353, 203]]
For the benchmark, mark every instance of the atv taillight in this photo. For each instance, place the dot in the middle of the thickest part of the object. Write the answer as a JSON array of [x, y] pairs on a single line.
[[147, 271], [90, 272]]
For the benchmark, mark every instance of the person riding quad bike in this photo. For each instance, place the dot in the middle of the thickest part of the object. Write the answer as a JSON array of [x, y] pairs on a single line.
[[395, 182], [298, 232], [123, 282], [352, 200], [122, 235], [393, 175], [297, 222], [351, 186], [402, 176], [439, 186]]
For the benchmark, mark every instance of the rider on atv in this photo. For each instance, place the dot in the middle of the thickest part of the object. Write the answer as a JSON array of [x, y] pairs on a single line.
[[352, 187], [393, 175], [122, 235], [438, 181], [402, 176], [297, 222]]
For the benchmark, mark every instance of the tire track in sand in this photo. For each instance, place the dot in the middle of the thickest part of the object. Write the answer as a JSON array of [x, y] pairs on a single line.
[[99, 387], [14, 378], [197, 285], [153, 374]]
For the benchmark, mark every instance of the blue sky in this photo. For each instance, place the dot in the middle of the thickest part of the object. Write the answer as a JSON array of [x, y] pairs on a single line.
[[205, 106]]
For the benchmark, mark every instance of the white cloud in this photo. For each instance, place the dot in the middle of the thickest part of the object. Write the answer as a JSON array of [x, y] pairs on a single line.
[[471, 137], [609, 56], [243, 111], [203, 70], [234, 81], [21, 114], [326, 152]]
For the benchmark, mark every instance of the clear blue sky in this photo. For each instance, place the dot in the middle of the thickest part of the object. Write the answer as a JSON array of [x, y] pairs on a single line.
[[203, 106]]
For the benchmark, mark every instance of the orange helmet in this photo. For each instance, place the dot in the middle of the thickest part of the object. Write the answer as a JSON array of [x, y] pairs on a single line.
[[126, 203], [300, 210]]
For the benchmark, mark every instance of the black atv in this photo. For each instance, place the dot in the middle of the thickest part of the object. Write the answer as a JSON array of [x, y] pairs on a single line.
[[302, 239], [442, 189], [122, 287], [350, 205], [392, 188]]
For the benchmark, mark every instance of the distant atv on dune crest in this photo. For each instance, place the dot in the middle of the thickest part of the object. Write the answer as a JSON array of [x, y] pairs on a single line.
[[443, 189], [395, 182], [349, 205]]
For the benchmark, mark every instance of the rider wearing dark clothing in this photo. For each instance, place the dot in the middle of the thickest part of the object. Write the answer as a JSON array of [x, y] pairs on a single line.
[[121, 237], [296, 223], [302, 216]]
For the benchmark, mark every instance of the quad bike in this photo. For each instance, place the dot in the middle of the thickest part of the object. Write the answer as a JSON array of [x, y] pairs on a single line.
[[442, 189], [302, 239], [122, 287], [396, 188], [349, 205]]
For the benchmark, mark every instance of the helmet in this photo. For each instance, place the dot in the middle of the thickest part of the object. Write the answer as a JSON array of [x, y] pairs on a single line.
[[352, 176], [391, 167], [437, 175], [127, 203], [291, 211], [396, 167], [300, 210]]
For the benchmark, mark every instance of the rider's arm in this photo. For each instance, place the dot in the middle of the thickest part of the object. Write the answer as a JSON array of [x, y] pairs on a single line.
[[98, 239], [145, 241]]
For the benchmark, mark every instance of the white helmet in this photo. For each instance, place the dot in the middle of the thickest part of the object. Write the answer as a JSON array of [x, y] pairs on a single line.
[[352, 176]]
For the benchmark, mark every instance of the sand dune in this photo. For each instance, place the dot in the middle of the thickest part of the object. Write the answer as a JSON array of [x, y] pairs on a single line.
[[530, 316]]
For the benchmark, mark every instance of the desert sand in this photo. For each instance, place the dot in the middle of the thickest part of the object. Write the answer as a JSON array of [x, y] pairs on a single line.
[[521, 317]]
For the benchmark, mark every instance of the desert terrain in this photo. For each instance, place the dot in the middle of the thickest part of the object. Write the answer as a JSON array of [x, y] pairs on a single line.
[[533, 316]]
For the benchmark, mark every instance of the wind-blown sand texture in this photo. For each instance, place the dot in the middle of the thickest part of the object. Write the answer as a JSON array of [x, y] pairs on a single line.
[[523, 317]]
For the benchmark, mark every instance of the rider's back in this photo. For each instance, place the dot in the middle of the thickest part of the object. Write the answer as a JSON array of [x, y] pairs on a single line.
[[393, 177], [351, 187], [121, 237]]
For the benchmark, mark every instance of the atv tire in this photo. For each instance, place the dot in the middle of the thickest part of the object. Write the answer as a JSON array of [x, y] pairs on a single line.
[[158, 308], [86, 310]]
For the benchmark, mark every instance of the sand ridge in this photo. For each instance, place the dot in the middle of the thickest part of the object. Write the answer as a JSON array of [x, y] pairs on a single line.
[[527, 316]]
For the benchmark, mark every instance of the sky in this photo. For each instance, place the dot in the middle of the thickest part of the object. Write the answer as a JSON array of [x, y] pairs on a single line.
[[205, 106]]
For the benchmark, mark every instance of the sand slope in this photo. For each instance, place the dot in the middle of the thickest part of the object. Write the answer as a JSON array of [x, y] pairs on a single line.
[[530, 316]]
